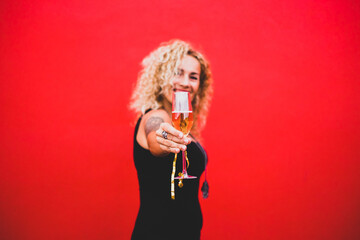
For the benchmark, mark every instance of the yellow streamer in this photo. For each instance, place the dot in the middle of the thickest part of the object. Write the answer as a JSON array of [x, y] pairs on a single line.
[[180, 184], [187, 160], [172, 178], [180, 175]]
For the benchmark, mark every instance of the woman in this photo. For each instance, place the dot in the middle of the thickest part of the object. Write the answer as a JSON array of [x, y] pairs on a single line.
[[174, 66]]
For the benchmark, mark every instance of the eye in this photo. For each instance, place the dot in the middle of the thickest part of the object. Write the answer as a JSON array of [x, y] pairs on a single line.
[[178, 72], [195, 78]]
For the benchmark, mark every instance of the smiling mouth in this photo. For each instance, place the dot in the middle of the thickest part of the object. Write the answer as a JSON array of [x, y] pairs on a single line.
[[180, 90]]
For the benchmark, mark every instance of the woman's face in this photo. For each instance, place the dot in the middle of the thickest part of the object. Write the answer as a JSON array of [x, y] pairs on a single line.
[[187, 78]]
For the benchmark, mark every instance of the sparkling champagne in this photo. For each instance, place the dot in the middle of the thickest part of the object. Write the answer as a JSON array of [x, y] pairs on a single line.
[[183, 121]]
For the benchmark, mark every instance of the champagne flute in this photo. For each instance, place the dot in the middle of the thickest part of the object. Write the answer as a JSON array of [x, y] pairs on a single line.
[[182, 118]]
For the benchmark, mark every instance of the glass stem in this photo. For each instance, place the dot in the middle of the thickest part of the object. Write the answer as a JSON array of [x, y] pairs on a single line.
[[184, 162]]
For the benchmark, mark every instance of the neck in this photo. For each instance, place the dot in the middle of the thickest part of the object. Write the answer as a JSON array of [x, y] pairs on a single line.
[[167, 106]]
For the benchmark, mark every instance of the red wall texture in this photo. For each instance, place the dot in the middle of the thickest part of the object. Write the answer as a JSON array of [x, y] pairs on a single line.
[[283, 134]]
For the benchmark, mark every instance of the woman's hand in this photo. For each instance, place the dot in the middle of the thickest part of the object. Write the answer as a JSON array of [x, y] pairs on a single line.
[[171, 141], [154, 124]]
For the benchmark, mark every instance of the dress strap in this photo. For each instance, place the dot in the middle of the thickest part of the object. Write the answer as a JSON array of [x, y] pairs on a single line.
[[138, 122]]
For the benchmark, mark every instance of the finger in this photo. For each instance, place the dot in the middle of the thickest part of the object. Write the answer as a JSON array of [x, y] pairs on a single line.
[[169, 149], [170, 144], [170, 129], [173, 138]]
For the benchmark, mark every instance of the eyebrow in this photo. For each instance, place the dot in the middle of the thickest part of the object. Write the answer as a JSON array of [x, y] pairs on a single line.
[[192, 73]]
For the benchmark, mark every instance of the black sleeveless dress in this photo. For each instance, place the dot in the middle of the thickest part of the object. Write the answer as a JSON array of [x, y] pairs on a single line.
[[159, 216]]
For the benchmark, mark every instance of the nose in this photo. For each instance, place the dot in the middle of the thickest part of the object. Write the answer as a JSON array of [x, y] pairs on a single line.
[[185, 81]]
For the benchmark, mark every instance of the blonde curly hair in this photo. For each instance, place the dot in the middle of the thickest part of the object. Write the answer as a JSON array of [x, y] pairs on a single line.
[[155, 79]]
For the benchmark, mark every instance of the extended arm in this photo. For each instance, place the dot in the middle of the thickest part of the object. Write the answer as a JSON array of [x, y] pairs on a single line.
[[155, 124]]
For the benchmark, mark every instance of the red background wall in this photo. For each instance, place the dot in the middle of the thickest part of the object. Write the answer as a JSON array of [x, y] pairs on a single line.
[[283, 132]]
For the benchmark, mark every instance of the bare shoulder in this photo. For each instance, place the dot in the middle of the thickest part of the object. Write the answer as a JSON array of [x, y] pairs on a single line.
[[150, 122], [153, 119], [157, 113]]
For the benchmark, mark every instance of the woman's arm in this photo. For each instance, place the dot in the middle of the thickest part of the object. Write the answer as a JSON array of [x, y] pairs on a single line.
[[157, 121]]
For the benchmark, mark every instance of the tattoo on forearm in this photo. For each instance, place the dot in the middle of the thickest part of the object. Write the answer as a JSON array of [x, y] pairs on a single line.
[[152, 124]]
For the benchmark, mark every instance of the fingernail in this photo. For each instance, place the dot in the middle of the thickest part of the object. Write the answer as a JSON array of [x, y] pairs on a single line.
[[184, 148]]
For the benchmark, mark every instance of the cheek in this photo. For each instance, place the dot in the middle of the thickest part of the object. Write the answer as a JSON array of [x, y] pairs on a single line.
[[196, 86], [175, 81]]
